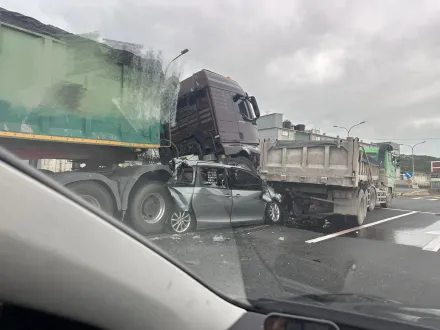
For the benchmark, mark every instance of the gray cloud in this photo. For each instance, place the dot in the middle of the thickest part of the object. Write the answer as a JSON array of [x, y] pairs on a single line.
[[318, 62]]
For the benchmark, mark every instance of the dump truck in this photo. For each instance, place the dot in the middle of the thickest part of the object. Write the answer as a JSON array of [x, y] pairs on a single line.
[[342, 177], [64, 96]]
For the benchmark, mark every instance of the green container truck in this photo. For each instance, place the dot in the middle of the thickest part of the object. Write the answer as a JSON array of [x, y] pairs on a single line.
[[63, 96]]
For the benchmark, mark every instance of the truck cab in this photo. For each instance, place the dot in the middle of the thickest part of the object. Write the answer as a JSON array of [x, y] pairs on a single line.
[[387, 160], [216, 120]]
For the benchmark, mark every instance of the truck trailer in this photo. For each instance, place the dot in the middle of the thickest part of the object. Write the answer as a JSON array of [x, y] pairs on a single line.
[[342, 177], [63, 96]]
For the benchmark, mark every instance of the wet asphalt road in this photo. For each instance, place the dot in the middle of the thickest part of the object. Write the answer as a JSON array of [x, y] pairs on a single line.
[[392, 255]]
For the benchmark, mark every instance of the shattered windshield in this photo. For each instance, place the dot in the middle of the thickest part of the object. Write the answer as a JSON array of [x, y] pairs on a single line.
[[132, 105]]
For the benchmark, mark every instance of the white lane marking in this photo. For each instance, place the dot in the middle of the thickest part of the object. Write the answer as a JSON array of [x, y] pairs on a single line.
[[434, 245], [346, 231], [416, 198], [432, 199], [402, 210]]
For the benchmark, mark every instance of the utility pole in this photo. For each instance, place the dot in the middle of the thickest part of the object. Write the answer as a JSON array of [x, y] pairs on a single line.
[[412, 153], [349, 129]]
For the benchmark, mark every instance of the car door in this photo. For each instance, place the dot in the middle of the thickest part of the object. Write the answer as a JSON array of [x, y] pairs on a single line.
[[247, 205], [212, 201]]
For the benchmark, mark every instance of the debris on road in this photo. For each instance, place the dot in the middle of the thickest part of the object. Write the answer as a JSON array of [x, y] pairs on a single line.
[[218, 238], [414, 193]]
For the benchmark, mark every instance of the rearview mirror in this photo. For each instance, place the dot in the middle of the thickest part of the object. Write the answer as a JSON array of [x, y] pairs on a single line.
[[254, 103]]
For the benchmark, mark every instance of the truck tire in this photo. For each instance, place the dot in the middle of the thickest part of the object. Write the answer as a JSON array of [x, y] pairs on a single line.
[[243, 162], [95, 194], [150, 208], [373, 199], [358, 220], [388, 199]]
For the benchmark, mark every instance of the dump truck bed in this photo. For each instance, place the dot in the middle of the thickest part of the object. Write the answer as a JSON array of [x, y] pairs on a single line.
[[331, 163]]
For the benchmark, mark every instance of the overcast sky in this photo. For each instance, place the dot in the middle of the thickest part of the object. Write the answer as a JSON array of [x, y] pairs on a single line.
[[321, 63]]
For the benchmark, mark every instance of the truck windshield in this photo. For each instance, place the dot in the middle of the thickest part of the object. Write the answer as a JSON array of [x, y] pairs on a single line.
[[372, 157]]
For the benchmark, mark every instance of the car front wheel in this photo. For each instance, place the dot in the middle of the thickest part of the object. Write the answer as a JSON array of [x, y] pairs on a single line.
[[181, 222], [274, 214]]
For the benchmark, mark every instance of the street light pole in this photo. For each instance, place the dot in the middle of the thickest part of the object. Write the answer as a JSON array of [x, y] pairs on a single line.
[[349, 129], [412, 152], [183, 52]]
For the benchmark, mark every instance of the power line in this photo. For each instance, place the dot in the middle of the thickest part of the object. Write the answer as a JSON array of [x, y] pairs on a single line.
[[402, 139]]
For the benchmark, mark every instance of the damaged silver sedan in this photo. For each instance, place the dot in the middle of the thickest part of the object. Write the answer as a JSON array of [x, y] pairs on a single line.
[[211, 195]]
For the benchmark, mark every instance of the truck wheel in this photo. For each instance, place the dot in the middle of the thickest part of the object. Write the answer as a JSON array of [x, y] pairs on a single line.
[[358, 220], [95, 194], [388, 200], [243, 162], [150, 207], [274, 213], [373, 199]]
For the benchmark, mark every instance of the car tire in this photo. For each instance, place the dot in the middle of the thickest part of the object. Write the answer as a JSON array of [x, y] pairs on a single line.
[[274, 214], [95, 194], [243, 162], [150, 207], [181, 222]]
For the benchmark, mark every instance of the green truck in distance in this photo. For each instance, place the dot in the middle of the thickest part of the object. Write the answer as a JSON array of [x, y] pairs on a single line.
[[387, 161], [63, 96]]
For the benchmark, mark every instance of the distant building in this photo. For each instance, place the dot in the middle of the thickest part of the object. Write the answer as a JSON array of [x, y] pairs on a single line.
[[274, 127]]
